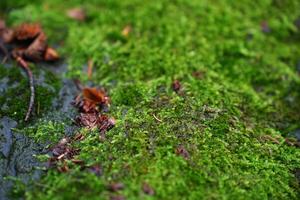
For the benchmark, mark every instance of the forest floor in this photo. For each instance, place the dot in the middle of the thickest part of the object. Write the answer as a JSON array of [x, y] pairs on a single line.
[[205, 97]]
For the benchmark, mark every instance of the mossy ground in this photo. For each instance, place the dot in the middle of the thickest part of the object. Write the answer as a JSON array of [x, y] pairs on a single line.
[[249, 88]]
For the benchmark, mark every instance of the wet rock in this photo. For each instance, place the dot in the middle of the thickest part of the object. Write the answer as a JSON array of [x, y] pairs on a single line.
[[295, 134], [6, 135], [3, 84], [17, 156], [66, 97]]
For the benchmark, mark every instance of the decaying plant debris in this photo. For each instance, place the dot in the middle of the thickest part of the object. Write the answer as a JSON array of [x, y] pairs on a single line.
[[26, 43], [176, 86], [90, 104], [76, 14], [90, 116]]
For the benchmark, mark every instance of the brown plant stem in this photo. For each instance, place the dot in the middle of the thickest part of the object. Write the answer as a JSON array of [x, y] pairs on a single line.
[[25, 66]]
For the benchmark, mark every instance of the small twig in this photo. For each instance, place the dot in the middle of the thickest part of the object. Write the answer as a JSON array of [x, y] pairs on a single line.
[[90, 68], [25, 66], [159, 120], [78, 84]]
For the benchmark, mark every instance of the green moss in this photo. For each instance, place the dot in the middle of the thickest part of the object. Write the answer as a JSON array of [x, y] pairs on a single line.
[[16, 95], [249, 90]]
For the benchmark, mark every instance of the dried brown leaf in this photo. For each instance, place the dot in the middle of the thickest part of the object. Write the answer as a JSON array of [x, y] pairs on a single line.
[[94, 95], [37, 48], [147, 189], [27, 31], [126, 31], [88, 120], [176, 85], [77, 14], [51, 54], [105, 123]]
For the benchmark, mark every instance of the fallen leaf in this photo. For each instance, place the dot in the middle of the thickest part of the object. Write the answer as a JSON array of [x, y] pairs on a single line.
[[147, 189], [181, 151], [95, 95], [77, 14], [88, 120], [126, 30], [104, 125], [64, 168], [176, 85], [37, 48], [27, 31], [51, 54], [115, 187], [63, 150]]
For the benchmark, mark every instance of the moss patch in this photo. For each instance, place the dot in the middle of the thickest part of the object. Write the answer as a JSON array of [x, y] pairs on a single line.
[[247, 94]]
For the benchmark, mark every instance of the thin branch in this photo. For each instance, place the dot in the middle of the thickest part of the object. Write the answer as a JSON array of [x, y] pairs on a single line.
[[25, 66], [159, 120]]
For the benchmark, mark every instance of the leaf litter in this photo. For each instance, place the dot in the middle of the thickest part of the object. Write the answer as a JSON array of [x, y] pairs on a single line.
[[89, 103], [26, 43]]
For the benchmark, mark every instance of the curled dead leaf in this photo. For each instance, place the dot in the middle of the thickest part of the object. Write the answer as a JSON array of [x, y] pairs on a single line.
[[51, 54], [37, 48], [27, 31], [126, 31], [95, 95]]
